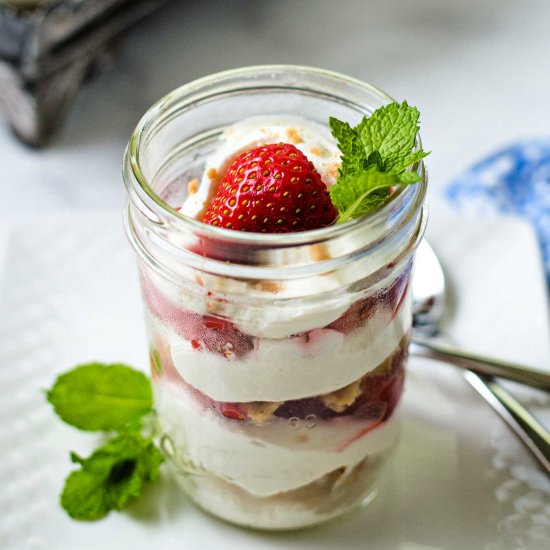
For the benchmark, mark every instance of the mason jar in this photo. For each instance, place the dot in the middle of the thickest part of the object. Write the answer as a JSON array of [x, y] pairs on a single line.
[[277, 360]]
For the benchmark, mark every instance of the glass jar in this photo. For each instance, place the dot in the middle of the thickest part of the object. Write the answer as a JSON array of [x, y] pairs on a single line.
[[277, 359]]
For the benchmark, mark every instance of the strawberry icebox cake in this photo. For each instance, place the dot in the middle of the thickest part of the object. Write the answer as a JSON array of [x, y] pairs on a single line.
[[281, 417]]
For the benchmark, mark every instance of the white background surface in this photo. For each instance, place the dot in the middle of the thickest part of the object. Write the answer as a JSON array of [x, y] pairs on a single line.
[[479, 73]]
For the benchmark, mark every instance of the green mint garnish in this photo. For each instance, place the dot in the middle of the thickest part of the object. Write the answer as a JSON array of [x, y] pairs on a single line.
[[98, 397], [108, 398], [356, 194], [111, 477], [375, 155], [353, 155]]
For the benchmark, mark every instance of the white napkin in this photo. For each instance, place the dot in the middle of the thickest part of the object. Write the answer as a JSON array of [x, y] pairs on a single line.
[[498, 301]]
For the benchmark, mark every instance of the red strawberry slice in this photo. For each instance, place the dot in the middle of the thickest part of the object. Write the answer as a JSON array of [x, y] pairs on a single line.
[[361, 311], [231, 411], [381, 390], [271, 189], [355, 316], [204, 332]]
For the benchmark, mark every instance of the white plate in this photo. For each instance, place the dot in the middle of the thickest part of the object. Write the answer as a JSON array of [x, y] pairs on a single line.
[[459, 479]]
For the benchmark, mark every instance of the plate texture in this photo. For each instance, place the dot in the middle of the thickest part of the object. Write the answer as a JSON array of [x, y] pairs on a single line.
[[459, 479]]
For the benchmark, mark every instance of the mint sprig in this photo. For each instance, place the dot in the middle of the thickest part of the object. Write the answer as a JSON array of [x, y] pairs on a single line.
[[111, 477], [108, 398], [98, 397], [375, 155], [353, 155], [367, 189]]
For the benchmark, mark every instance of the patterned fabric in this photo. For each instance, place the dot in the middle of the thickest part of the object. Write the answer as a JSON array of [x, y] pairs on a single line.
[[515, 180]]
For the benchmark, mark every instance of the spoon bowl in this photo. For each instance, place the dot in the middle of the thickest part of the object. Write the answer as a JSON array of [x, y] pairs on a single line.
[[428, 289]]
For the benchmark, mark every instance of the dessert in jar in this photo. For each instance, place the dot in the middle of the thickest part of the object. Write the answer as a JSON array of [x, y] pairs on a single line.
[[277, 306]]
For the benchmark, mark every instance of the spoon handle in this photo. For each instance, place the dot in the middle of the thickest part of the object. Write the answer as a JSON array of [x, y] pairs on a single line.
[[520, 420], [435, 349]]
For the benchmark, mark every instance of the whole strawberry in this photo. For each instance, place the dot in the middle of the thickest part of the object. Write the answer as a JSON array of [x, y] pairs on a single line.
[[271, 189]]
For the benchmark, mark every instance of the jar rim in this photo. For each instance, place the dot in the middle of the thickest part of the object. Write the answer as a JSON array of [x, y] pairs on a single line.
[[189, 94]]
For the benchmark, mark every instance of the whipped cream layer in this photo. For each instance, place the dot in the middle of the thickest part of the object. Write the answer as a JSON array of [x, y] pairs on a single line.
[[268, 459], [308, 505], [254, 317], [313, 139], [290, 368]]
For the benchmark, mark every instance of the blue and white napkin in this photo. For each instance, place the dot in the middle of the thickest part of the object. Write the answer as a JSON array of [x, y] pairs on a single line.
[[514, 180]]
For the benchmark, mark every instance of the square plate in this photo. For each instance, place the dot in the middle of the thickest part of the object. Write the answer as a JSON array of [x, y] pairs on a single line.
[[459, 479]]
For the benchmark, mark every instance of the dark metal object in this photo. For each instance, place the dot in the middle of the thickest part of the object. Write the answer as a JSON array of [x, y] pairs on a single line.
[[481, 364], [525, 425], [48, 48]]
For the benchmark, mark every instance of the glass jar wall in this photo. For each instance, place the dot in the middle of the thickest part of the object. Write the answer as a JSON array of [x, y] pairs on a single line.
[[278, 361]]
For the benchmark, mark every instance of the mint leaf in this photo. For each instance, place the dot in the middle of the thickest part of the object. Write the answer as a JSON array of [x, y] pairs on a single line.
[[375, 156], [375, 159], [111, 477], [353, 158], [400, 161], [101, 397], [356, 194], [155, 362], [390, 130]]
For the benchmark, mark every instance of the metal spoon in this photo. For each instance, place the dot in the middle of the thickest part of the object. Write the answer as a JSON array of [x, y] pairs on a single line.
[[428, 305]]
